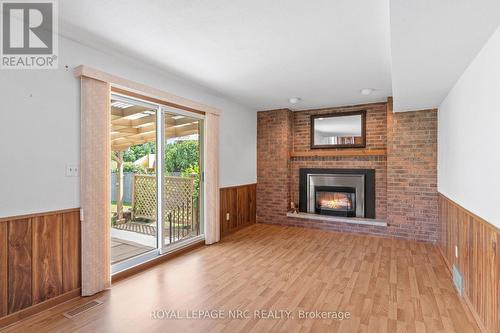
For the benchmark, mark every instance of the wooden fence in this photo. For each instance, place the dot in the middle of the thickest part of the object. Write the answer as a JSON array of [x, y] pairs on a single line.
[[180, 203]]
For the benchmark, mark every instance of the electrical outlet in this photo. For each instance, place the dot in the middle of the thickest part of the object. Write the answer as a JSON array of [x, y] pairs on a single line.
[[72, 170], [456, 251], [227, 216]]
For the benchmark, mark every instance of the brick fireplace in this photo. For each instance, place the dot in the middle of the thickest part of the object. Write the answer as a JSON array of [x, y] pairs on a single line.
[[401, 149]]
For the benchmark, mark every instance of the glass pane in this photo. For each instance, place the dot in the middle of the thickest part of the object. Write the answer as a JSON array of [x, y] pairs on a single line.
[[338, 130], [182, 185], [133, 178]]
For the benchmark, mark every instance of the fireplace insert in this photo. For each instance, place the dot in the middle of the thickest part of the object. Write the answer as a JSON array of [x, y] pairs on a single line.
[[335, 200], [338, 192]]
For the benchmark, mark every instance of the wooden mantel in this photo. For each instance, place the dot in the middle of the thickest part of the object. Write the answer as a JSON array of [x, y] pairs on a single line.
[[343, 152]]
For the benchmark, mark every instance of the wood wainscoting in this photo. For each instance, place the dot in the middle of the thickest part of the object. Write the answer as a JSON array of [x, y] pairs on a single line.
[[478, 260], [237, 207], [39, 262]]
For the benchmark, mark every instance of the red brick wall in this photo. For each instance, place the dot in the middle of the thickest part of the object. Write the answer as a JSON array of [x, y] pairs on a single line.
[[376, 127], [274, 132], [370, 162], [412, 201], [406, 193]]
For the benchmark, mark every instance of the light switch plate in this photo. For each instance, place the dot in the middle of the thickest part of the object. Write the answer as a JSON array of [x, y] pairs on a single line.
[[227, 216], [72, 170]]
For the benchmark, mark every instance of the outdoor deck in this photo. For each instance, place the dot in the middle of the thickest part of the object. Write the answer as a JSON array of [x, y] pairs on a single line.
[[135, 233], [122, 249]]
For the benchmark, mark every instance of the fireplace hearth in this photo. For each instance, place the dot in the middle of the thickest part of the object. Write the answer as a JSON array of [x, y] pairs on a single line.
[[337, 192]]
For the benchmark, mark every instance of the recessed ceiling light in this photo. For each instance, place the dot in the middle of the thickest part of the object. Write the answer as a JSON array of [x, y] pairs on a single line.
[[367, 91], [294, 100]]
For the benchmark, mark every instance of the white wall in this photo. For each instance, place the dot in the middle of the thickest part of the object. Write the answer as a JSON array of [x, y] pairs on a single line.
[[40, 128], [469, 136]]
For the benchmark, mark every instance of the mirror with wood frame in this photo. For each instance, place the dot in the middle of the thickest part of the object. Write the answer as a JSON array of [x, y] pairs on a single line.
[[339, 130]]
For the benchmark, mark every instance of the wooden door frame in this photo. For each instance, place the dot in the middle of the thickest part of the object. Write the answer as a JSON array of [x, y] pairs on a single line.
[[211, 158]]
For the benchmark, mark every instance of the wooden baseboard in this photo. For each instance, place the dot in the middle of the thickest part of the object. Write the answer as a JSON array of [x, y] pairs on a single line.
[[238, 228], [154, 262], [37, 308], [447, 264], [468, 305]]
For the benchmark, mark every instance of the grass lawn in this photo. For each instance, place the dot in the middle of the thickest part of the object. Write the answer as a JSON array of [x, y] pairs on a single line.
[[126, 206]]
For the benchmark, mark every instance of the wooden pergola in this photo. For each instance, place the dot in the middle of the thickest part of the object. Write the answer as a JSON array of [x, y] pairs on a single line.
[[134, 125]]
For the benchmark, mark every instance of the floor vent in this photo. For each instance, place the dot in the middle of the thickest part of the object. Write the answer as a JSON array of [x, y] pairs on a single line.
[[458, 280], [82, 308]]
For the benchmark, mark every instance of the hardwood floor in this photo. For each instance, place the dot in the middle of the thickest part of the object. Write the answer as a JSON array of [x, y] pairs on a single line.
[[386, 286]]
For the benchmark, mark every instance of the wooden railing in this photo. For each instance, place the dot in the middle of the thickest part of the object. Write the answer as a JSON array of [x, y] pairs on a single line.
[[183, 221]]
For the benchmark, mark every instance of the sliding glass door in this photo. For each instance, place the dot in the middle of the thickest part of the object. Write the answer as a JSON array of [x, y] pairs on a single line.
[[133, 178], [182, 195], [156, 180]]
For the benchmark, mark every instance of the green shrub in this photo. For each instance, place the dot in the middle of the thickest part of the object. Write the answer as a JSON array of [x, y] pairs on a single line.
[[131, 167], [137, 151], [193, 171], [181, 155]]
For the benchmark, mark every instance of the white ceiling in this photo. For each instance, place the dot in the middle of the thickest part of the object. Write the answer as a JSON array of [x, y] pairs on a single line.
[[433, 42], [260, 52]]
